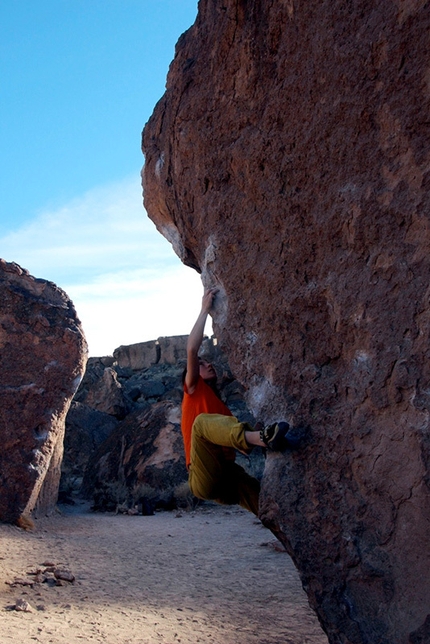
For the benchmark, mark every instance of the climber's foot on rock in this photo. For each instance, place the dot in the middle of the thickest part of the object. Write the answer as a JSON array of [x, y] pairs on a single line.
[[280, 436]]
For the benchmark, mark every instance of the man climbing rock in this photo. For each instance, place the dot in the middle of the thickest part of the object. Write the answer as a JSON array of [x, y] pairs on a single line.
[[212, 434]]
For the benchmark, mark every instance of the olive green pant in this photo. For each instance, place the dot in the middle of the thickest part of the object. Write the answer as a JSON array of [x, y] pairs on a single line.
[[213, 474]]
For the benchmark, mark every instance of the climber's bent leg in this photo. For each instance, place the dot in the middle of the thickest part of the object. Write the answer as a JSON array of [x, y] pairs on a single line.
[[218, 429], [213, 475]]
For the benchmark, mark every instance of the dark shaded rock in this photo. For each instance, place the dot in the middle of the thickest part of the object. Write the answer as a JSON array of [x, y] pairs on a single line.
[[42, 362], [141, 461], [160, 382], [422, 634], [288, 163], [86, 430], [97, 406]]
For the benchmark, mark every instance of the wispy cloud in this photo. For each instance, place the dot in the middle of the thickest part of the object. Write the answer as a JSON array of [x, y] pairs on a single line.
[[105, 228], [122, 275]]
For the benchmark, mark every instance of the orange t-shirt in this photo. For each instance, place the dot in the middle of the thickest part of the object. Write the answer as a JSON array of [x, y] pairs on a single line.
[[202, 401]]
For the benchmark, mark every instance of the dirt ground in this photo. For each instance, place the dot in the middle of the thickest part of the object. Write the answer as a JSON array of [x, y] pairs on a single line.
[[213, 576]]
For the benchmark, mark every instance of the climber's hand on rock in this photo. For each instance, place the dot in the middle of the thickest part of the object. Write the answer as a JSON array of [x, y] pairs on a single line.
[[208, 299]]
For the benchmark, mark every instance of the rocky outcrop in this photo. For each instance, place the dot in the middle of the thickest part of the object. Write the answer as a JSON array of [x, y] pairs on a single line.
[[86, 430], [288, 162], [141, 463], [43, 355], [101, 390], [130, 454], [147, 354]]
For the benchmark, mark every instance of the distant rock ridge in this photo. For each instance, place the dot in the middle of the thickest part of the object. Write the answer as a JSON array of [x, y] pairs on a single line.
[[43, 356], [165, 350]]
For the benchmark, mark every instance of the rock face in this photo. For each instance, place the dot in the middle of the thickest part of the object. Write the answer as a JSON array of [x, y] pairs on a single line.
[[146, 354], [288, 162], [86, 430], [141, 462], [43, 356]]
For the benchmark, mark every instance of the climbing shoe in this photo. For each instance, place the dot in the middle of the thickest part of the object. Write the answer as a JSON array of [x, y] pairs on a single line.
[[280, 436], [274, 436]]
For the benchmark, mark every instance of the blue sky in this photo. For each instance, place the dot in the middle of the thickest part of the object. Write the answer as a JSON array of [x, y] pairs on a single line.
[[79, 79]]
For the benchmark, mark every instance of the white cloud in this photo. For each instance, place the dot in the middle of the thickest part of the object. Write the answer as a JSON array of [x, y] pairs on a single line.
[[122, 275], [105, 227], [134, 307]]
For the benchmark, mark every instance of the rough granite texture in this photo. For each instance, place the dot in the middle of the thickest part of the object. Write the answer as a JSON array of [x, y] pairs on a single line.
[[43, 356], [288, 162]]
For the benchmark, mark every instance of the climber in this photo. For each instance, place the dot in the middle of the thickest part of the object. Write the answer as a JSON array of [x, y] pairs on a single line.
[[212, 434]]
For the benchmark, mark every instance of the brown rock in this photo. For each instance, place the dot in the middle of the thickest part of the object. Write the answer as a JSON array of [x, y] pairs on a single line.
[[23, 606], [140, 355], [288, 162], [25, 523], [143, 355], [43, 355], [19, 581], [172, 349], [100, 389], [106, 395], [64, 575]]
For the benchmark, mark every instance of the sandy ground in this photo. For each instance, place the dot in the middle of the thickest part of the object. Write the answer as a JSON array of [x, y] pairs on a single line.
[[211, 576]]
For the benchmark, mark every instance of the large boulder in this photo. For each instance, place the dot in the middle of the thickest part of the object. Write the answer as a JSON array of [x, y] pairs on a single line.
[[288, 162], [43, 356]]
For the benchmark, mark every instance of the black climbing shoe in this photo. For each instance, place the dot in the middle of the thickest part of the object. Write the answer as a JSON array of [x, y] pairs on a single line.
[[274, 436], [280, 436]]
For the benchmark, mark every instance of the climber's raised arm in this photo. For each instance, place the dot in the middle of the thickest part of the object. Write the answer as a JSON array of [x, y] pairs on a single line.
[[195, 340]]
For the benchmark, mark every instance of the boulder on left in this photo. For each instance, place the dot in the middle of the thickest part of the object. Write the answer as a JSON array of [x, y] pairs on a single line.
[[43, 353]]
